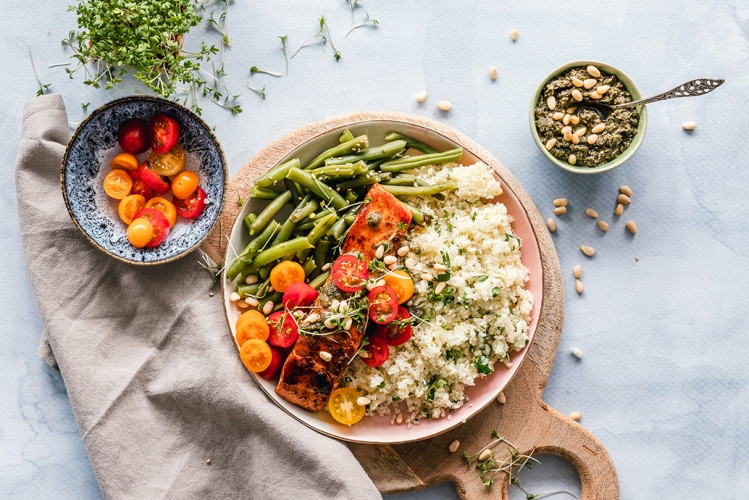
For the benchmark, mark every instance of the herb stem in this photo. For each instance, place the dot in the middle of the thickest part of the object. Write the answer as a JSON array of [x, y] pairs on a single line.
[[285, 54], [255, 69], [42, 86], [260, 92], [372, 22]]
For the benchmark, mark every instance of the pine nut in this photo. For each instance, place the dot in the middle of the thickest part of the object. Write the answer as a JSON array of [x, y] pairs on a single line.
[[454, 446], [335, 304], [577, 271], [363, 401], [577, 95], [603, 89], [566, 119], [234, 296], [619, 209], [552, 225], [326, 267], [575, 415], [551, 102], [589, 83], [589, 251], [595, 95], [268, 307], [312, 318], [399, 419], [348, 323], [390, 259], [577, 352], [252, 301], [402, 251], [410, 263], [485, 454], [593, 71], [560, 210], [251, 279], [632, 226], [426, 277], [271, 289], [328, 324], [625, 190], [560, 202], [574, 119], [325, 356], [624, 199], [439, 268], [421, 96], [603, 226], [370, 286], [690, 125], [379, 252], [568, 136], [575, 140], [381, 283], [598, 128], [591, 213], [579, 288], [571, 109], [592, 138], [514, 35], [493, 72], [242, 304], [572, 158], [445, 105], [581, 131], [440, 288], [551, 143], [566, 130], [558, 115], [577, 82]]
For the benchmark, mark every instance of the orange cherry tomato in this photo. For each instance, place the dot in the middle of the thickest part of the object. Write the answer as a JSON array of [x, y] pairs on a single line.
[[184, 185], [252, 328], [140, 232], [168, 163], [117, 184], [285, 274], [401, 282], [159, 223], [343, 406], [165, 207], [249, 314], [124, 161], [129, 206], [256, 355]]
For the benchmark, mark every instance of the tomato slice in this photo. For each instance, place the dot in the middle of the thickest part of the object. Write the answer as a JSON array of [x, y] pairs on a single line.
[[393, 333], [256, 355], [349, 273], [193, 206], [299, 295], [168, 163], [117, 184], [158, 221], [129, 206], [164, 133], [276, 363], [383, 304], [157, 182], [252, 327], [124, 161], [285, 274], [343, 406], [377, 352], [164, 206], [401, 282], [134, 136], [283, 329]]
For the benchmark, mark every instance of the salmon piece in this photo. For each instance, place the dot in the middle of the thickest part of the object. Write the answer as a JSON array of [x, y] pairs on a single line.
[[306, 379]]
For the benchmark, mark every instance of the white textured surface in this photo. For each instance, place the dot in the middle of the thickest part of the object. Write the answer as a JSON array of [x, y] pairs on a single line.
[[664, 383]]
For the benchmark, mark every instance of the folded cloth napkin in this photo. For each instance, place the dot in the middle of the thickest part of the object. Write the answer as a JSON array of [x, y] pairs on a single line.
[[165, 407]]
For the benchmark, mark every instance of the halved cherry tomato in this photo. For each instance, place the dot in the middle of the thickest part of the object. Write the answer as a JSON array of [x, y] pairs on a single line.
[[168, 163], [129, 206], [140, 233], [275, 366], [117, 184], [394, 333], [283, 329], [285, 274], [383, 304], [343, 406], [140, 187], [252, 327], [133, 136], [299, 295], [249, 314], [158, 221], [124, 161], [401, 282], [184, 185], [349, 272], [256, 355], [377, 352], [165, 207], [164, 133], [159, 183], [193, 206]]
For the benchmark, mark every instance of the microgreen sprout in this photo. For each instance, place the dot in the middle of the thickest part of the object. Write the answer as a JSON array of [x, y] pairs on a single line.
[[352, 4], [285, 54], [367, 21], [320, 34], [42, 86], [255, 69], [84, 106], [59, 64], [260, 92], [214, 269], [337, 53]]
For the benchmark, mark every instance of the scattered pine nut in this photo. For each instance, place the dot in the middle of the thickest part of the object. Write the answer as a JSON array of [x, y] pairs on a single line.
[[632, 226], [579, 288], [399, 419], [593, 71], [598, 128], [234, 296], [568, 136], [242, 304], [312, 318], [251, 279], [577, 95], [454, 446], [623, 199], [514, 35], [402, 251], [268, 307], [410, 263], [427, 277], [560, 210], [577, 82], [558, 115], [561, 202], [603, 226], [690, 125], [445, 105], [210, 294], [591, 213], [363, 401], [326, 267], [566, 119], [251, 301], [439, 268], [625, 190], [574, 119], [575, 415], [595, 95], [440, 288], [552, 225], [328, 324], [325, 356], [502, 399], [208, 462], [581, 131], [589, 83], [493, 72], [571, 109], [381, 283], [485, 454], [575, 140], [551, 102], [421, 96], [619, 209], [577, 352], [592, 138], [572, 158], [390, 259], [552, 142], [589, 251], [379, 252], [603, 89], [348, 323], [637, 258], [578, 271]]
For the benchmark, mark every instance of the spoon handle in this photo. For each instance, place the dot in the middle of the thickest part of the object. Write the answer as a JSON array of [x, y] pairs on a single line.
[[701, 86]]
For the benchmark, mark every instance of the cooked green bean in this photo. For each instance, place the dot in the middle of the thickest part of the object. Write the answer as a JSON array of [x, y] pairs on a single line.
[[249, 219], [409, 162], [351, 196], [318, 187], [274, 297], [353, 146], [269, 212], [252, 248], [360, 181], [296, 191], [279, 251], [346, 136], [350, 219], [339, 171], [305, 211], [284, 233], [245, 290], [369, 154], [264, 271], [418, 216], [421, 190], [410, 143], [410, 180], [262, 193], [319, 280], [317, 232], [337, 229], [276, 174], [321, 255], [309, 266]]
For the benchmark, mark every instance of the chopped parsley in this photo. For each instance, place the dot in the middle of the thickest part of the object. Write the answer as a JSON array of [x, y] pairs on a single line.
[[507, 239], [446, 260], [453, 354], [434, 384], [482, 365], [482, 278], [382, 385], [496, 291]]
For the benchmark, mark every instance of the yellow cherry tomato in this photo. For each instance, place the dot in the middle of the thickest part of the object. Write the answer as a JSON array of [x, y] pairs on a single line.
[[401, 282], [124, 161], [285, 274], [166, 207], [343, 406], [129, 206], [140, 232], [256, 355], [168, 163], [117, 184], [252, 327], [184, 185]]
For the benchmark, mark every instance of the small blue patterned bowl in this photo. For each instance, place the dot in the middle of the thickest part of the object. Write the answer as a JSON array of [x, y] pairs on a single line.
[[86, 162]]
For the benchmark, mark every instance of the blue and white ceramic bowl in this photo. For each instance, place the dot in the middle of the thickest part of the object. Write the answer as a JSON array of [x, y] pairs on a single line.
[[86, 162]]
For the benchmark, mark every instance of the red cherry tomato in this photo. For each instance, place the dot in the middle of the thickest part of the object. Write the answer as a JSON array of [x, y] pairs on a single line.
[[159, 222], [394, 334], [164, 133], [383, 304], [299, 294], [157, 182], [192, 206], [276, 363], [133, 136], [140, 187], [377, 351], [283, 329], [349, 272]]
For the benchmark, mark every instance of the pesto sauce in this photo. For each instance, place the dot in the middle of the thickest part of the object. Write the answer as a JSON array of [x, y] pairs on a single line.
[[621, 127]]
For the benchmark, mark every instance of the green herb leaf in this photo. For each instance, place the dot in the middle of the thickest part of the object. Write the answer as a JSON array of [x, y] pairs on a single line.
[[482, 365]]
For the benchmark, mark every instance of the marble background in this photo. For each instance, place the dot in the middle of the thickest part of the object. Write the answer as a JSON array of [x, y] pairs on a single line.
[[663, 383]]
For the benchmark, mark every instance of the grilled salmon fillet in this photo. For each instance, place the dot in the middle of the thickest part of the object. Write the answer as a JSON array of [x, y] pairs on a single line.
[[306, 379]]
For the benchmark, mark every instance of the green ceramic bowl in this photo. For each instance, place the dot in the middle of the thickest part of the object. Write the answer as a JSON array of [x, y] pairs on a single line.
[[627, 153]]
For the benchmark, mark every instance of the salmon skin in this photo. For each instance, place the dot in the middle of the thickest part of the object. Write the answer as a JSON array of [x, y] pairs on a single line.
[[306, 379]]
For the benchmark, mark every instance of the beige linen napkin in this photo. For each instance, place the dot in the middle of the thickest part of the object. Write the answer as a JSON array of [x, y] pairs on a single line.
[[155, 383]]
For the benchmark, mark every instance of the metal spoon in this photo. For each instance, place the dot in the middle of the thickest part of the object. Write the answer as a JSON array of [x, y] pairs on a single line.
[[692, 88]]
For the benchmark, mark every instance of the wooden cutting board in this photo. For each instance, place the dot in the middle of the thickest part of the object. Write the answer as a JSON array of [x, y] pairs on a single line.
[[524, 420]]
